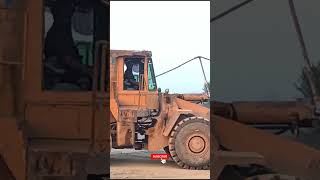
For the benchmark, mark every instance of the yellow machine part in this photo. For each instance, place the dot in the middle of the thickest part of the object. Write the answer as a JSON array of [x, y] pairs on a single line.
[[12, 141], [12, 150], [5, 172], [281, 154]]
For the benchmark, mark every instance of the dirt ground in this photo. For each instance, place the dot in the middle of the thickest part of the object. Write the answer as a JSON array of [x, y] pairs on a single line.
[[136, 164]]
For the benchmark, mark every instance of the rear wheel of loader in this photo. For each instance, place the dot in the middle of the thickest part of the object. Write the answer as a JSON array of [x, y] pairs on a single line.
[[189, 143], [166, 149]]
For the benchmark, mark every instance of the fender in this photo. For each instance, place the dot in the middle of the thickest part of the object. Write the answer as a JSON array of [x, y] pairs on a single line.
[[169, 115], [180, 107]]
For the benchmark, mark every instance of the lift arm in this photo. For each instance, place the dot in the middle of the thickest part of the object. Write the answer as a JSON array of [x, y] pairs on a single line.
[[282, 155]]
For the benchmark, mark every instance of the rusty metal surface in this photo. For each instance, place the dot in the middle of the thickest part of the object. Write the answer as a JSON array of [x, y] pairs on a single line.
[[11, 35], [126, 128], [123, 53], [172, 115], [195, 108], [13, 147], [156, 138], [31, 118], [223, 158], [82, 115], [60, 145], [124, 101], [45, 120], [264, 112], [53, 164], [169, 107], [193, 97], [12, 137], [44, 165], [102, 128], [5, 172], [172, 112], [158, 135], [282, 155], [272, 112]]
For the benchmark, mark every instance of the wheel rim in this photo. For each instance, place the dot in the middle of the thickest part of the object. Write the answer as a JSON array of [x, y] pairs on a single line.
[[189, 144], [196, 144]]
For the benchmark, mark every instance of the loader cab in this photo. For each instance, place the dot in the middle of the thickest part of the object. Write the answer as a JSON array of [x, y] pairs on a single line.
[[136, 82], [66, 70], [135, 67]]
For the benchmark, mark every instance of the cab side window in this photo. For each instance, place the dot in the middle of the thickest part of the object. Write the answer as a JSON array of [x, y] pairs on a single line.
[[68, 42], [133, 71]]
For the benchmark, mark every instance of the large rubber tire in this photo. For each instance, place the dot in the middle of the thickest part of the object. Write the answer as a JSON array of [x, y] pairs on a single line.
[[189, 143], [166, 149]]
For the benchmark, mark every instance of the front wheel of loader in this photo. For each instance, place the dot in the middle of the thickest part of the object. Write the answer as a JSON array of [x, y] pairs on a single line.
[[189, 143]]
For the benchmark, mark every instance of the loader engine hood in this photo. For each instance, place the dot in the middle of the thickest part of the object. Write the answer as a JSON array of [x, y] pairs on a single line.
[[177, 100], [194, 97]]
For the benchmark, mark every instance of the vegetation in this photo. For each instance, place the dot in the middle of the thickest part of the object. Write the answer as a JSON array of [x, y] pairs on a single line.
[[302, 84], [205, 90]]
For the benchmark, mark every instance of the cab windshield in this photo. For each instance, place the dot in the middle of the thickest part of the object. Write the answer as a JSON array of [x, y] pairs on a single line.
[[152, 85]]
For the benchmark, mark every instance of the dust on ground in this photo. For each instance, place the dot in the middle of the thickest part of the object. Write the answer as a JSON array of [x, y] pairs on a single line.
[[136, 164]]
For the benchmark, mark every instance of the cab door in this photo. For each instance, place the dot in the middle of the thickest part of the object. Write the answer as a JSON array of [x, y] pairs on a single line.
[[55, 109], [135, 96], [152, 95], [101, 121], [146, 95]]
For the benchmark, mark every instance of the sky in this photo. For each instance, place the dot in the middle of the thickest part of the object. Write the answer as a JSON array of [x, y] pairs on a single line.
[[175, 31], [256, 51]]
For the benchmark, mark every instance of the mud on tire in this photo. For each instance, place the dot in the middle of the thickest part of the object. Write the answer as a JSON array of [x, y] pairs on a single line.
[[189, 143]]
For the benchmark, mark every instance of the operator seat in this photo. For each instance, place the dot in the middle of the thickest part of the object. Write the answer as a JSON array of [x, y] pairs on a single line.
[[129, 81]]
